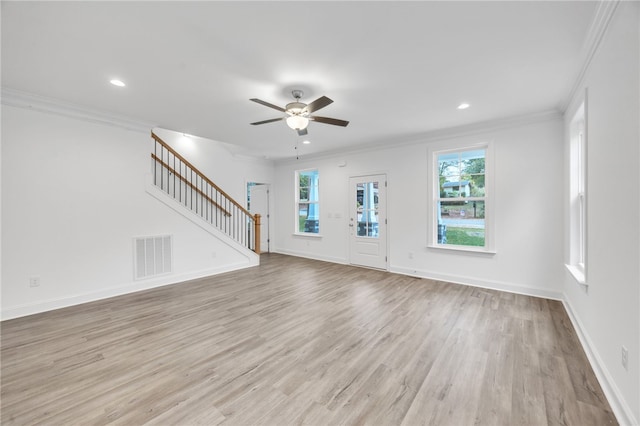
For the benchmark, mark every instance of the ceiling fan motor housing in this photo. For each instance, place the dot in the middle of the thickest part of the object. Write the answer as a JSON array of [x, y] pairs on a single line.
[[299, 113], [295, 108]]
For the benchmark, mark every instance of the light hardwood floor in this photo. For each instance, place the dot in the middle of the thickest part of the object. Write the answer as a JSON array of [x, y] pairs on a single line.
[[296, 341]]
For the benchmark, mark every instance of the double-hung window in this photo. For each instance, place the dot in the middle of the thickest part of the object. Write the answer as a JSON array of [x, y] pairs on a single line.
[[307, 202], [461, 202], [578, 196]]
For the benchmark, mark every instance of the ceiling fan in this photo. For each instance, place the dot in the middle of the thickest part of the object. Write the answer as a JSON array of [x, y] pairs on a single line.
[[298, 114]]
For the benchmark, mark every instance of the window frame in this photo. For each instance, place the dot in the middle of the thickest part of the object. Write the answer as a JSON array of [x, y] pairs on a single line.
[[434, 196], [577, 199], [298, 201]]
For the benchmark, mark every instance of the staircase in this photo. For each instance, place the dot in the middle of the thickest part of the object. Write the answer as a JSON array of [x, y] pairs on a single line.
[[183, 182]]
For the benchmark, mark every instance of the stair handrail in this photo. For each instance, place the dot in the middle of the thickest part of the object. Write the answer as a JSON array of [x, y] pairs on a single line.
[[255, 219], [198, 172], [186, 181]]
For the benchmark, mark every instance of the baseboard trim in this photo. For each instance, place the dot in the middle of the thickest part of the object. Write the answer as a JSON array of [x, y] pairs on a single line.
[[454, 279], [620, 408], [474, 282], [134, 287], [311, 256]]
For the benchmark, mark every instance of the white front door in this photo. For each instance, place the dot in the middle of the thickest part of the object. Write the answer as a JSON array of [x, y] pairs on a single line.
[[259, 203], [368, 221]]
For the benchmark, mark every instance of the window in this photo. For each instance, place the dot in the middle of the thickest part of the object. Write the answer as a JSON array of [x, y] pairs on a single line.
[[578, 196], [461, 200], [307, 202]]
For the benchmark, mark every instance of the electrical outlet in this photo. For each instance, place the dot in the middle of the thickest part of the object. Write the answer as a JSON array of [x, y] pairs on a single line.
[[34, 281], [625, 358], [214, 254], [410, 255]]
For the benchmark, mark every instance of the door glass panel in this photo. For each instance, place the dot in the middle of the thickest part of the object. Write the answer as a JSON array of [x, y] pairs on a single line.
[[367, 209]]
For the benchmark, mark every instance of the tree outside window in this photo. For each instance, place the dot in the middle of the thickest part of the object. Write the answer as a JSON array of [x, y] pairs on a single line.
[[307, 202], [461, 198]]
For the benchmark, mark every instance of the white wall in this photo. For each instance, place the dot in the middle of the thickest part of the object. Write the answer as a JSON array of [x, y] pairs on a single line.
[[529, 213], [73, 198], [608, 310]]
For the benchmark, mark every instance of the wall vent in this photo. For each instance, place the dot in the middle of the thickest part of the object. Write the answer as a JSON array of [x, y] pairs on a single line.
[[152, 256]]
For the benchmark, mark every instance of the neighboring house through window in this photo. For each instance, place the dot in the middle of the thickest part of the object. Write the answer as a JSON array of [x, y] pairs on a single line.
[[461, 199], [307, 202]]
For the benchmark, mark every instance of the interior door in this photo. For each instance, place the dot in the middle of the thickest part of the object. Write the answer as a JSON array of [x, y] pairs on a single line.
[[259, 203], [368, 221]]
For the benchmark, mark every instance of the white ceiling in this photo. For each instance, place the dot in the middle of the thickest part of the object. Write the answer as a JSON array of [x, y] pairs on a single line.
[[395, 70]]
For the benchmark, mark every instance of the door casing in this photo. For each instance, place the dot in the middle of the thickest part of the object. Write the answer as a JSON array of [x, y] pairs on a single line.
[[368, 238]]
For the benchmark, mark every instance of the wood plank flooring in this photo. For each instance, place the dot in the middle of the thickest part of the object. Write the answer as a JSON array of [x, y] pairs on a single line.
[[297, 341]]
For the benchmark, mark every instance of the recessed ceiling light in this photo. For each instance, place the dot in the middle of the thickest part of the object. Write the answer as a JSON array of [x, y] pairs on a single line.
[[306, 142], [463, 106], [117, 82]]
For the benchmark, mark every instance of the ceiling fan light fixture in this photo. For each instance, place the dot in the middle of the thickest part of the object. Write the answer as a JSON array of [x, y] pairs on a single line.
[[297, 122], [298, 114]]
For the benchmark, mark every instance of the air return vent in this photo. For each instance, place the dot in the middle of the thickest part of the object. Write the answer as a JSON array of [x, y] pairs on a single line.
[[152, 256]]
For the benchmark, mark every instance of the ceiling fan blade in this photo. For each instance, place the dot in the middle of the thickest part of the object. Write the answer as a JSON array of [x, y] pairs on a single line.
[[327, 120], [302, 132], [268, 121], [261, 102], [317, 104]]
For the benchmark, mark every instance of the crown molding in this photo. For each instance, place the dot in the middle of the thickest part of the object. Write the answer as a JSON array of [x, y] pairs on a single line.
[[20, 99], [597, 30], [437, 135]]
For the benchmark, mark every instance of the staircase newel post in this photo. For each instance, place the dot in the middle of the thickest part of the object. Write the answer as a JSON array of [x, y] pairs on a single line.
[[256, 232]]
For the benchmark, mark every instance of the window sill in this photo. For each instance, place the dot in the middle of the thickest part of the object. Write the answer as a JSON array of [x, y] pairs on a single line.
[[306, 234], [577, 274], [462, 249]]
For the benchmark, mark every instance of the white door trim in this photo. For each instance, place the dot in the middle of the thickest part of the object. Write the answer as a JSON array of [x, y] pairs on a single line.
[[363, 250]]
